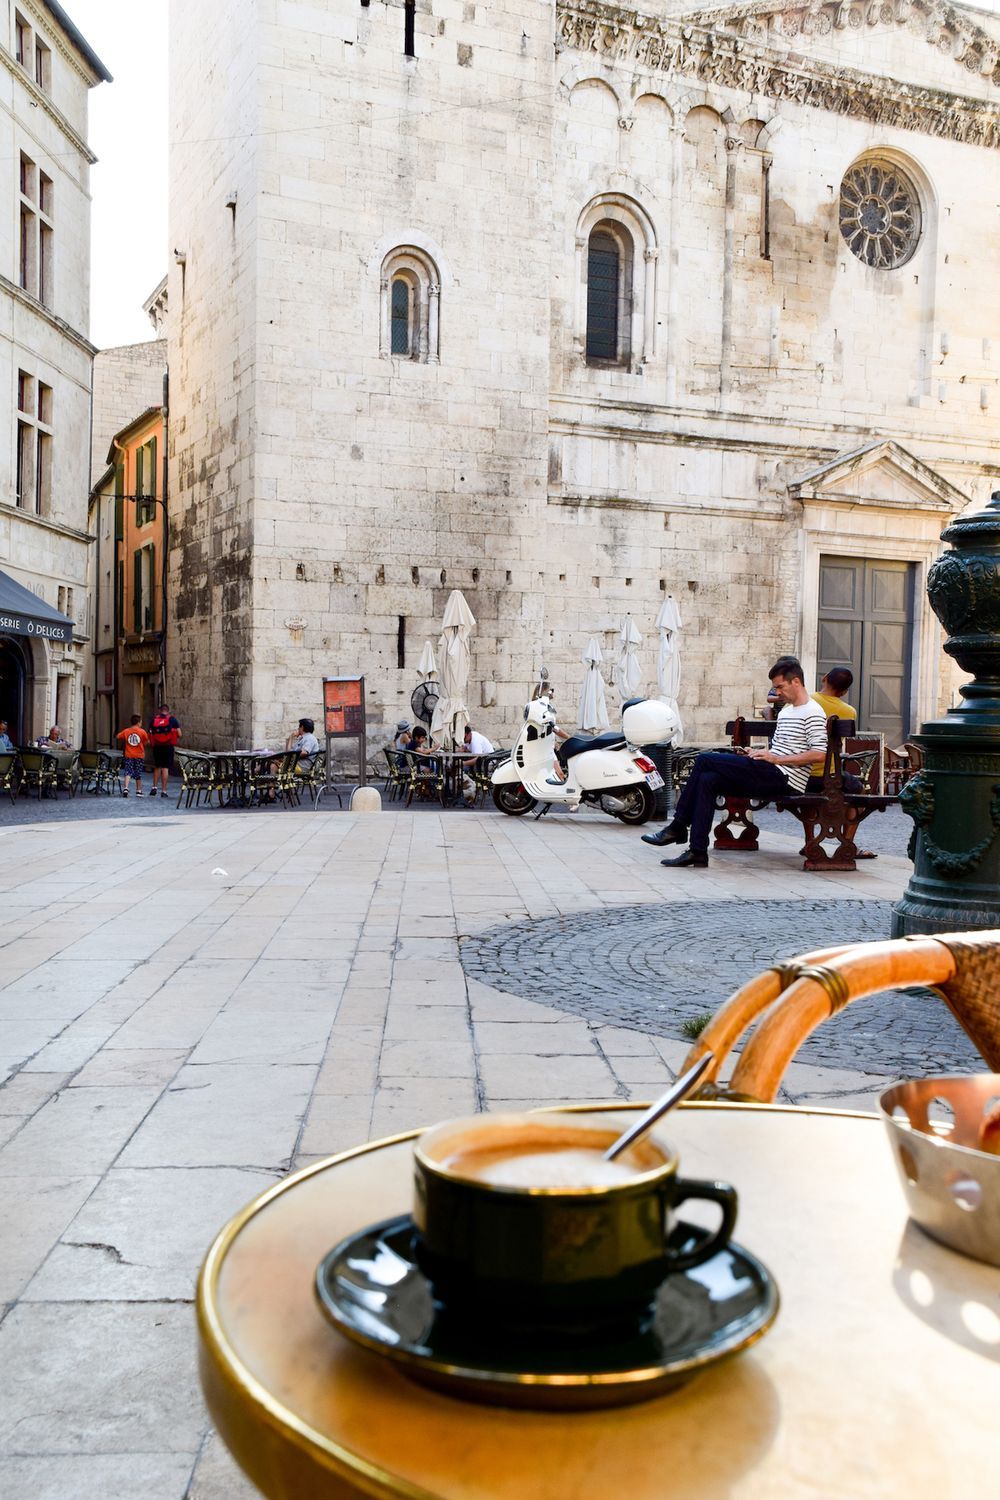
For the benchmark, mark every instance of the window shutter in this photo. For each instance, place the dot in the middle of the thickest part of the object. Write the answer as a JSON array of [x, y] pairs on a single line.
[[151, 479], [137, 591], [149, 616], [139, 486]]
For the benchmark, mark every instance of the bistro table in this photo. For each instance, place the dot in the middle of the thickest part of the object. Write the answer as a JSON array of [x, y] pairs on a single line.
[[453, 764], [239, 763], [880, 1378]]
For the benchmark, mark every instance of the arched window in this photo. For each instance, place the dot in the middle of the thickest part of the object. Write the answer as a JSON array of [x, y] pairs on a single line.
[[410, 321], [616, 266], [609, 293], [401, 341]]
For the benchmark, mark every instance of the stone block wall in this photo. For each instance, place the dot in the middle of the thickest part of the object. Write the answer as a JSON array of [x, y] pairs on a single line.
[[335, 493], [212, 281]]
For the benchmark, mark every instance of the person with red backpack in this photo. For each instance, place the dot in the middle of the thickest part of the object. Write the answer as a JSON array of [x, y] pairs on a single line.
[[164, 732], [134, 741]]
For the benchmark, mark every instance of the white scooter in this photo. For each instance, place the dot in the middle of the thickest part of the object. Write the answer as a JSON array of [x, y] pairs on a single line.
[[606, 769]]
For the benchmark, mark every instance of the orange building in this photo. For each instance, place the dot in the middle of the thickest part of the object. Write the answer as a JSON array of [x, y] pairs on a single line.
[[130, 614]]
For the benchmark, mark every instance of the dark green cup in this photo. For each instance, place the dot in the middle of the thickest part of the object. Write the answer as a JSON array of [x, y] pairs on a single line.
[[562, 1256]]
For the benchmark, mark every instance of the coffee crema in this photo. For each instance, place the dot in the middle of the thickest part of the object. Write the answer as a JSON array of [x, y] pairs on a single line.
[[550, 1160]]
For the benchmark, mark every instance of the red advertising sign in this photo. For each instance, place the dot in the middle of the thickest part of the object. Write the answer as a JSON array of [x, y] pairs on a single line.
[[344, 706]]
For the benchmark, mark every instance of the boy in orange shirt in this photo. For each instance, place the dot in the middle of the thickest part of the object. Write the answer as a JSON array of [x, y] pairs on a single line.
[[135, 741]]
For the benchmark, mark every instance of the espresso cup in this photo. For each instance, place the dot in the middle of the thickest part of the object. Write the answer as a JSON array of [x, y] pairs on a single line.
[[521, 1221]]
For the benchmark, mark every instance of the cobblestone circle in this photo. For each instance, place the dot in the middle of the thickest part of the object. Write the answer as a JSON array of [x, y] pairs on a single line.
[[649, 968]]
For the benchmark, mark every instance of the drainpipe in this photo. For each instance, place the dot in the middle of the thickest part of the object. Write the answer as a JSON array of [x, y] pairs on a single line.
[[164, 411]]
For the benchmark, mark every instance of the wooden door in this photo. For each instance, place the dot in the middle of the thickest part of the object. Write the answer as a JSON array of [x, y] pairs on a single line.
[[866, 610]]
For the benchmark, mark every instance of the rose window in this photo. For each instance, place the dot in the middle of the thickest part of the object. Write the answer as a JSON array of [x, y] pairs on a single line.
[[879, 214]]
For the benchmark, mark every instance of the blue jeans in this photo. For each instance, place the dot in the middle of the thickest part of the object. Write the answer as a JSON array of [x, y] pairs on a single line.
[[722, 773]]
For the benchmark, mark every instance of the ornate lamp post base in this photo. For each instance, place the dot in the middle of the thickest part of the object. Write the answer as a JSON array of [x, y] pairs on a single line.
[[954, 800]]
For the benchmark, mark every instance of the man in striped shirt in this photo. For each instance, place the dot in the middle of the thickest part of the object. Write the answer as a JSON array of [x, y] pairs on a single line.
[[797, 746]]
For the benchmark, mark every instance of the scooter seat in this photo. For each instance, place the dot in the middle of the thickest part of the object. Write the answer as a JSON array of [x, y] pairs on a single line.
[[578, 743]]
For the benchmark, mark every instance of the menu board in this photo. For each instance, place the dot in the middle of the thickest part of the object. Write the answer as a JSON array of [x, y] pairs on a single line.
[[344, 706]]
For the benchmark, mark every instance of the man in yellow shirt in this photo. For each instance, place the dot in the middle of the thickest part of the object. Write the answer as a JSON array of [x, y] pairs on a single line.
[[831, 694]]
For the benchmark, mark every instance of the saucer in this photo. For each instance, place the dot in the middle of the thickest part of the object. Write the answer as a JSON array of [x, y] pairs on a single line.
[[372, 1290]]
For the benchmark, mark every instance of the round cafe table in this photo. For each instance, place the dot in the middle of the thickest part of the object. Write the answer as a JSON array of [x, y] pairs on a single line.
[[880, 1378]]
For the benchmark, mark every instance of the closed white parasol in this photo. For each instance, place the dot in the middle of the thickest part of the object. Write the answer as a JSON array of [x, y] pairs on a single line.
[[593, 713], [668, 663], [427, 666], [452, 714], [627, 671]]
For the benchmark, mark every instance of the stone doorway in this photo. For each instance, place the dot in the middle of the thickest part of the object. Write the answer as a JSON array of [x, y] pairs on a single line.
[[866, 620]]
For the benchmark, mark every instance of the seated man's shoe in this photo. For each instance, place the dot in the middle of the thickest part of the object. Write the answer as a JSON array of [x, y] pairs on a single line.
[[691, 858], [668, 834]]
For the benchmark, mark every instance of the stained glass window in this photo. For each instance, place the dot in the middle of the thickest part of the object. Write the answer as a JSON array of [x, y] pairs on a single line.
[[879, 214]]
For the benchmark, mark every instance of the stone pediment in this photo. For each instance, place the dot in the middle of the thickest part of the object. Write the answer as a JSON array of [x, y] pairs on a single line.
[[737, 47], [883, 475], [936, 39]]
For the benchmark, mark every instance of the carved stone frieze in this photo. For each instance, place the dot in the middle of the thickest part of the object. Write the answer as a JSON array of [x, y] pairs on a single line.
[[722, 59], [940, 25]]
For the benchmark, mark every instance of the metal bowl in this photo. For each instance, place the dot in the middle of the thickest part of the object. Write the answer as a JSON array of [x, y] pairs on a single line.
[[952, 1188]]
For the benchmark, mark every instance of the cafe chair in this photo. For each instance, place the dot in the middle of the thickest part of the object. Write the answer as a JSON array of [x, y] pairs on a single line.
[[68, 774], [10, 773], [794, 996], [310, 776], [89, 766], [39, 772], [396, 776], [426, 778], [482, 772], [197, 780], [266, 779], [110, 776], [900, 765]]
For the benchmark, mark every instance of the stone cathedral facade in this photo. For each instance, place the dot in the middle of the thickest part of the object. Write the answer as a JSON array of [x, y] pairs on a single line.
[[573, 306]]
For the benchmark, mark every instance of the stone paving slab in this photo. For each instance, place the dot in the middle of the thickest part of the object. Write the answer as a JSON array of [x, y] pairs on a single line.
[[251, 992]]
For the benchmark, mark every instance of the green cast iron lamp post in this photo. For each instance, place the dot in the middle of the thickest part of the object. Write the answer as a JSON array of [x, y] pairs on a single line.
[[954, 800]]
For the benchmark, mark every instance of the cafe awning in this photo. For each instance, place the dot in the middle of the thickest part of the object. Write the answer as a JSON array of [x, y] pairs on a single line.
[[23, 613]]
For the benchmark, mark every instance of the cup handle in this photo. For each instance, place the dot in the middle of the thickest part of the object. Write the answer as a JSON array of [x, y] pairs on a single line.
[[716, 1192]]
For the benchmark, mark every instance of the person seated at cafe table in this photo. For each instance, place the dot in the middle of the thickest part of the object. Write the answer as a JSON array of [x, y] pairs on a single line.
[[419, 743], [401, 739], [304, 739], [474, 744], [6, 743], [54, 740]]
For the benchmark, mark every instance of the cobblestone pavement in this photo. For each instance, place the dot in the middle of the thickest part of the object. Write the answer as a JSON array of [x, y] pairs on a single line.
[[653, 967]]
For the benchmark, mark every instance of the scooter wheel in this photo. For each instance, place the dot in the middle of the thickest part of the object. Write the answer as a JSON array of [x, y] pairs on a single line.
[[640, 805], [513, 800]]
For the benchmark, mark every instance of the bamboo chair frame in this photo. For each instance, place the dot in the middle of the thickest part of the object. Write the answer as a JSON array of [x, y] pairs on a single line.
[[795, 996]]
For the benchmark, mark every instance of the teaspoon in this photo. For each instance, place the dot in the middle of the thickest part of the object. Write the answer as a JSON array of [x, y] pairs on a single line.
[[675, 1093]]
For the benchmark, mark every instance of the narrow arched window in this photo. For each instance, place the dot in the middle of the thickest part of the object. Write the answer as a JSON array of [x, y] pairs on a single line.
[[409, 324], [400, 317]]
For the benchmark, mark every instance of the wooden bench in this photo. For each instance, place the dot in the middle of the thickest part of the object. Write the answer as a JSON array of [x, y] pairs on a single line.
[[826, 810]]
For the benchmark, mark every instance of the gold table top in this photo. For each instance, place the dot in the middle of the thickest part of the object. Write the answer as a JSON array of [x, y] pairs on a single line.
[[881, 1377]]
